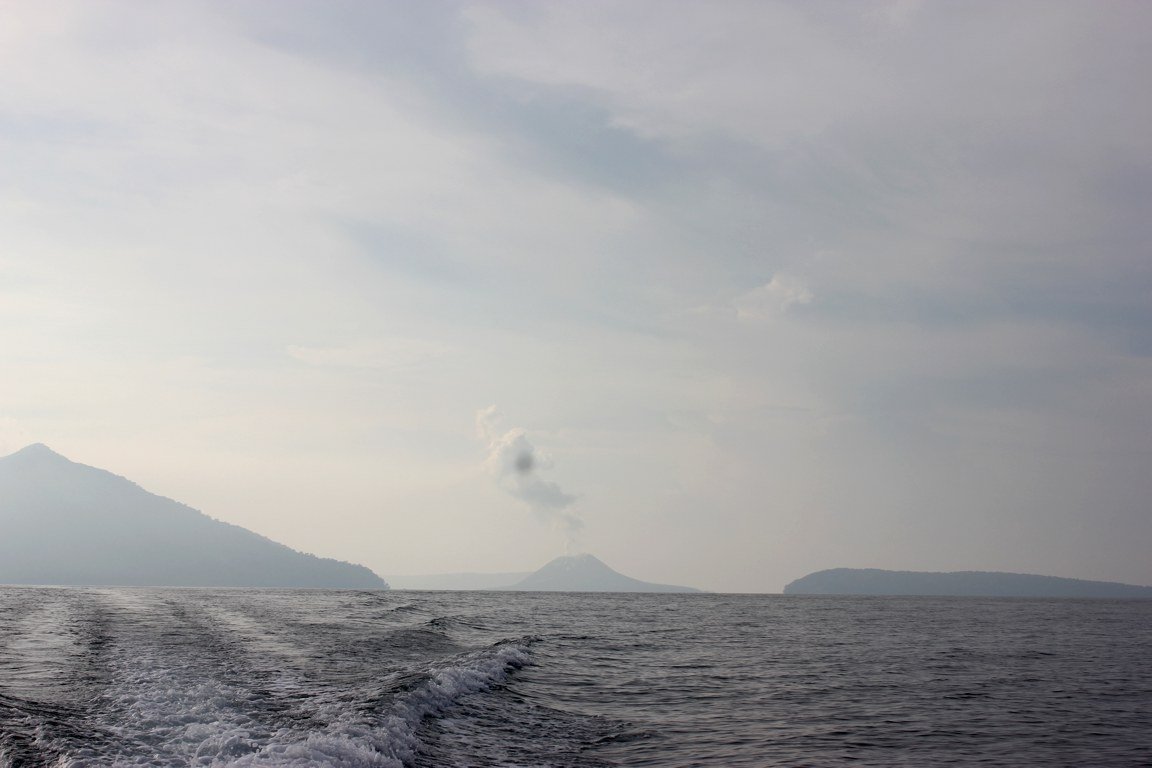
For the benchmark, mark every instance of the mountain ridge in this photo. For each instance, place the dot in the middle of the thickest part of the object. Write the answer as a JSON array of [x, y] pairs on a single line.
[[70, 523]]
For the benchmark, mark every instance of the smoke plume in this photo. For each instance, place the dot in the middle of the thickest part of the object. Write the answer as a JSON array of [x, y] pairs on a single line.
[[515, 463]]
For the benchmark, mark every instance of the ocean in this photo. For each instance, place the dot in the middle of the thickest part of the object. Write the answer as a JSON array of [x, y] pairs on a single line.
[[188, 677]]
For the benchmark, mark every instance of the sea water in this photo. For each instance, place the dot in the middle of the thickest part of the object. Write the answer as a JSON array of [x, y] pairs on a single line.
[[183, 677]]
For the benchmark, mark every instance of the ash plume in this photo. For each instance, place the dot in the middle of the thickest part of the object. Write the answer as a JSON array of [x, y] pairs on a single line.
[[514, 462]]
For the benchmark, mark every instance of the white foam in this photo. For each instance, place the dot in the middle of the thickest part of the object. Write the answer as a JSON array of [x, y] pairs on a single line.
[[181, 690], [211, 723], [390, 740]]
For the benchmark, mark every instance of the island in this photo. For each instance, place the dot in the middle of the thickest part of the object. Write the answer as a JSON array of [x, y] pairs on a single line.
[[586, 573], [875, 581], [63, 523]]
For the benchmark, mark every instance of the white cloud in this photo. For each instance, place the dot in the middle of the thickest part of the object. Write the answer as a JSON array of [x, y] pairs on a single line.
[[774, 298]]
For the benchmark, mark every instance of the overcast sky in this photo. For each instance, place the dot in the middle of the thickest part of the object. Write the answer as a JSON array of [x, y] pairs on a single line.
[[721, 292]]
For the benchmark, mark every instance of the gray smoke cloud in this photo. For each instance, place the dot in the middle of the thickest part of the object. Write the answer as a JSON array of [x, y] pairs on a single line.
[[514, 462]]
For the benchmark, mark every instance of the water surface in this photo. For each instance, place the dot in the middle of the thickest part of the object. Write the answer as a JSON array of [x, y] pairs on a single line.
[[183, 677]]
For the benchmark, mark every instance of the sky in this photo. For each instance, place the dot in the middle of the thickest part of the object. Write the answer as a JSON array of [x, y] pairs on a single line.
[[722, 292]]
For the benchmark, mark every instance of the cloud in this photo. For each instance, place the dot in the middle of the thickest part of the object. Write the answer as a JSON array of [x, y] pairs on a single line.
[[774, 298], [311, 239], [514, 462]]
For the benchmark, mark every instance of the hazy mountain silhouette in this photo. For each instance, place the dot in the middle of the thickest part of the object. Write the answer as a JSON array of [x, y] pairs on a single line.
[[874, 581], [585, 573], [67, 523]]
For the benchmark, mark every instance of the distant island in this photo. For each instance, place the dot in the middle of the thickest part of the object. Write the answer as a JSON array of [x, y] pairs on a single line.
[[874, 581], [586, 573], [67, 523], [571, 573]]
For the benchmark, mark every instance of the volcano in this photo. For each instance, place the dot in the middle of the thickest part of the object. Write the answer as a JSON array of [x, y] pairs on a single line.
[[68, 523], [587, 573]]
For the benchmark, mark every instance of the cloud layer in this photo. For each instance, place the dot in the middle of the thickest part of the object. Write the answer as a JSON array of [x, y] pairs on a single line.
[[787, 285]]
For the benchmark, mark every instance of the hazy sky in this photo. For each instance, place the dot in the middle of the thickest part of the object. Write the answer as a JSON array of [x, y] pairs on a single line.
[[722, 292]]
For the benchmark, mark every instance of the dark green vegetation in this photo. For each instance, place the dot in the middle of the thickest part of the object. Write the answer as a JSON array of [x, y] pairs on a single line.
[[874, 581], [67, 523]]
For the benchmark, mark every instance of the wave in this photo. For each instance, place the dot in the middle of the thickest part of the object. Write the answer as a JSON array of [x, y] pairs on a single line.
[[38, 728], [389, 737], [211, 679], [214, 723], [161, 722]]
